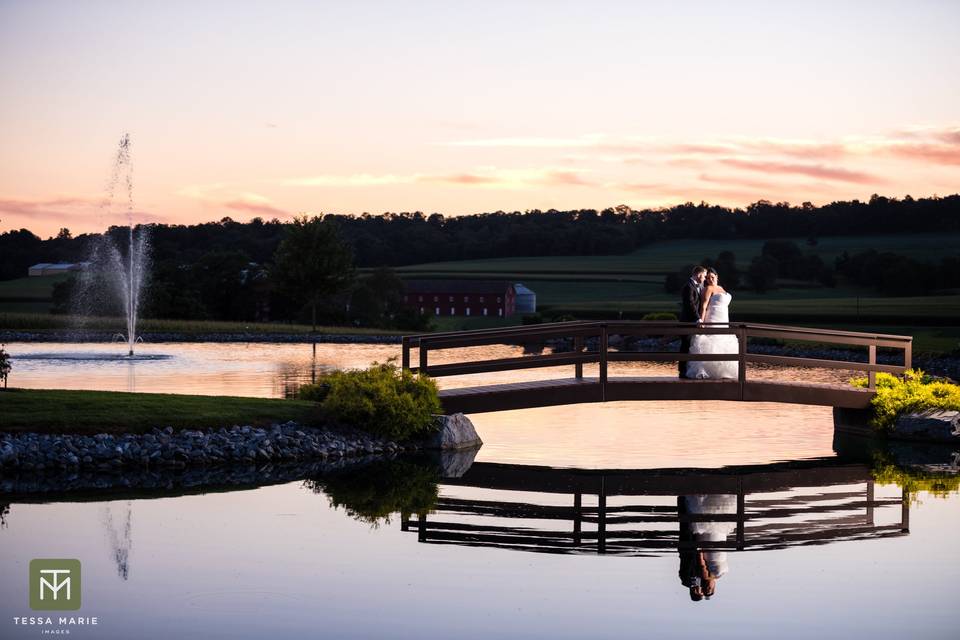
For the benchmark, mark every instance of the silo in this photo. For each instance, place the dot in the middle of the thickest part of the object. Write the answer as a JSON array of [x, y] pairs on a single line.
[[526, 299]]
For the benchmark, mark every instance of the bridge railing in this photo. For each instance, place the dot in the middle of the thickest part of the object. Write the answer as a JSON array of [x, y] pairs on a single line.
[[579, 332]]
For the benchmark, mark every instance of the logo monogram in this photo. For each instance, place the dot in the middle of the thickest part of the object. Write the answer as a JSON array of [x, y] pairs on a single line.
[[54, 584]]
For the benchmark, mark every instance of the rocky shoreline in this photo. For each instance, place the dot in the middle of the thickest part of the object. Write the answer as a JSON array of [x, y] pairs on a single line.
[[168, 449]]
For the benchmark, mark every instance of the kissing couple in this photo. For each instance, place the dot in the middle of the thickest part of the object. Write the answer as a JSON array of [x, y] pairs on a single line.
[[705, 302]]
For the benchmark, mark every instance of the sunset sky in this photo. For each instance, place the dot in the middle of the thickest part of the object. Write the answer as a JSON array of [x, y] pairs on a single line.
[[270, 109]]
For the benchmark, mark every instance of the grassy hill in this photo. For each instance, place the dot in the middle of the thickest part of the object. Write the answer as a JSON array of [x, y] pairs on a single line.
[[664, 257], [631, 285], [28, 295]]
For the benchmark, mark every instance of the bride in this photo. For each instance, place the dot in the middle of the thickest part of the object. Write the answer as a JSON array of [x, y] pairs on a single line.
[[714, 305]]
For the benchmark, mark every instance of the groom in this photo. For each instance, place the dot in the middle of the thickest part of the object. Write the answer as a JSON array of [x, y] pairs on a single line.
[[690, 309]]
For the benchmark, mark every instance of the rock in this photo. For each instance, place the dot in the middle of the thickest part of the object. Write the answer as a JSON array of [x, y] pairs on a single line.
[[456, 432], [453, 464], [931, 425]]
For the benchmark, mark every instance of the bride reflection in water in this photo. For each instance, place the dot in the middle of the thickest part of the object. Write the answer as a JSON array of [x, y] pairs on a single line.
[[700, 568]]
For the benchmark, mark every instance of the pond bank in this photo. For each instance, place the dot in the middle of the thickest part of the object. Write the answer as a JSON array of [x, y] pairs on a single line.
[[168, 449]]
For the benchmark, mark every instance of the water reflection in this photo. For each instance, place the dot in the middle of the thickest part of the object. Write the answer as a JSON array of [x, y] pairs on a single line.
[[119, 535], [659, 511], [373, 492]]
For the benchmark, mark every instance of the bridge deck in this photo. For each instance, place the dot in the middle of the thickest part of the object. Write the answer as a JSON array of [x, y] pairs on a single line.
[[572, 390]]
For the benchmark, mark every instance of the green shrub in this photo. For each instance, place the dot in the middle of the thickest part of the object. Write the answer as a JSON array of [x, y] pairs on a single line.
[[914, 391], [315, 392], [383, 400], [660, 316]]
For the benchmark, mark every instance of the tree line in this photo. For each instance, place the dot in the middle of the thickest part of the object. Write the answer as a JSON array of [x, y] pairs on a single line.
[[885, 272], [395, 239], [305, 270]]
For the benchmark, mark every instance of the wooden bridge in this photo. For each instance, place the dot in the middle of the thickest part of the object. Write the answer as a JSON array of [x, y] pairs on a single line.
[[826, 502], [586, 342]]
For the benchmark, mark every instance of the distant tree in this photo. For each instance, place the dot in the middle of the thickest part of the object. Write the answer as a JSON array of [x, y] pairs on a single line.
[[673, 282], [762, 273], [5, 365], [313, 262], [377, 298], [726, 266]]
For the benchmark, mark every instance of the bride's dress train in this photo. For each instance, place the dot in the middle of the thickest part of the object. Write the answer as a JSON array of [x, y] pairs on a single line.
[[719, 504], [717, 311]]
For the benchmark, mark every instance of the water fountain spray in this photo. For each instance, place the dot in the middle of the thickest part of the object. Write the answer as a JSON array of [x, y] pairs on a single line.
[[127, 273]]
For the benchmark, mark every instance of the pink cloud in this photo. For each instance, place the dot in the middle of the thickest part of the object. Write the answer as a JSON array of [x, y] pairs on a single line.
[[741, 182], [460, 178], [569, 178], [813, 170], [929, 152], [258, 208]]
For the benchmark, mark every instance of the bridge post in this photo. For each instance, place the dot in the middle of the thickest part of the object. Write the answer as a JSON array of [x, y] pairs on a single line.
[[908, 355], [577, 518], [742, 359], [741, 514], [422, 370], [602, 517], [578, 348], [905, 510], [872, 375], [405, 354], [603, 362]]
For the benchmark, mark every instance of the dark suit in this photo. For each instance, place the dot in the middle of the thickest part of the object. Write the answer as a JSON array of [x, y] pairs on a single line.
[[689, 312]]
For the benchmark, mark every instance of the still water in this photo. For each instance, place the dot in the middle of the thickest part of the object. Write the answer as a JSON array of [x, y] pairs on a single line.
[[571, 522]]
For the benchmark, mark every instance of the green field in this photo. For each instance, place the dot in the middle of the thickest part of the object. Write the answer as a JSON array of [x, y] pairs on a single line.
[[39, 287], [59, 411], [630, 286], [668, 256], [28, 295]]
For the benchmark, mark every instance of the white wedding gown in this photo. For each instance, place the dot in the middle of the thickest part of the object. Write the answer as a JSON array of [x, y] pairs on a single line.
[[725, 504], [717, 311]]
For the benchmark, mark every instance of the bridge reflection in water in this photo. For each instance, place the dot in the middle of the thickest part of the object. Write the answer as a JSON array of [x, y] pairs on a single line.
[[767, 507]]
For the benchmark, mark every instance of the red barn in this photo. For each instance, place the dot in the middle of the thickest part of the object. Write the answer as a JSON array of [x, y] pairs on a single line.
[[461, 297]]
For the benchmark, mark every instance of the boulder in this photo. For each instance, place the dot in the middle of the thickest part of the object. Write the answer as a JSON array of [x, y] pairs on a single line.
[[931, 425], [455, 463], [455, 432]]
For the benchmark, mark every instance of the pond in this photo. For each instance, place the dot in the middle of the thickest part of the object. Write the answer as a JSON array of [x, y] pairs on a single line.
[[571, 522]]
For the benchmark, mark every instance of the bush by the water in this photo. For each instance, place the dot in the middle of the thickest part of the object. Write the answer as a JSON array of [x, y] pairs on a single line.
[[314, 392], [383, 400], [914, 391]]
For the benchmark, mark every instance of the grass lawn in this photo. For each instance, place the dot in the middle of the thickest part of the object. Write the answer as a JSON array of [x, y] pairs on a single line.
[[89, 412]]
